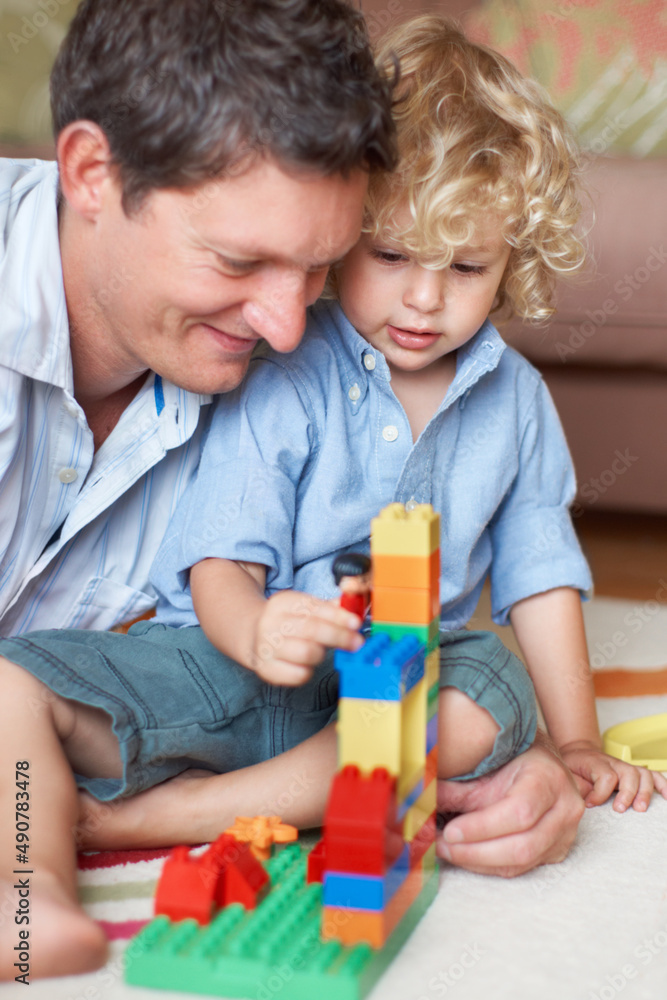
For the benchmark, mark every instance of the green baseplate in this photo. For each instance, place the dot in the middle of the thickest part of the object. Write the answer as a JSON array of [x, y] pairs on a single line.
[[274, 949]]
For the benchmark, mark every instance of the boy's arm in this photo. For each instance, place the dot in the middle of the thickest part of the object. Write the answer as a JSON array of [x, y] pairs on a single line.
[[550, 630], [281, 638]]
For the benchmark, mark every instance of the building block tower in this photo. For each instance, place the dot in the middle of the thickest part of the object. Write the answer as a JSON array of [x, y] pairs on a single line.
[[378, 848], [326, 922]]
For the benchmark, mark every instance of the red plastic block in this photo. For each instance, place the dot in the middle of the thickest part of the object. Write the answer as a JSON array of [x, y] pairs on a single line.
[[185, 889], [242, 878], [361, 831], [226, 873], [316, 863]]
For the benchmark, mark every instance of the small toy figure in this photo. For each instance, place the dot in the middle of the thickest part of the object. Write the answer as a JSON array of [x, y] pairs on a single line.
[[352, 573]]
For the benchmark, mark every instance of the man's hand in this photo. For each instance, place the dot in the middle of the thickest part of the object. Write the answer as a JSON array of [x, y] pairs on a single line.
[[294, 631], [522, 815], [597, 775]]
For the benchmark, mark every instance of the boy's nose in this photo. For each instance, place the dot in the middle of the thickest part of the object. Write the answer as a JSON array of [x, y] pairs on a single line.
[[426, 291]]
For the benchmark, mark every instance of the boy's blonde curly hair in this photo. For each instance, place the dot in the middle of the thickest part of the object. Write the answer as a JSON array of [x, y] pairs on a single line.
[[477, 140]]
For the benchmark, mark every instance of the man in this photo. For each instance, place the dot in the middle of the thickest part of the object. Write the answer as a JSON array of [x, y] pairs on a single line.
[[212, 163]]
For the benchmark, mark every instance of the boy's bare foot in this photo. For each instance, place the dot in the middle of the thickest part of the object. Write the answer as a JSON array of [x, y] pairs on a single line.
[[63, 939]]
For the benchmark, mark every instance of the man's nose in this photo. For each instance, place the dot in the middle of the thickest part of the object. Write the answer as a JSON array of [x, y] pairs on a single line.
[[278, 312]]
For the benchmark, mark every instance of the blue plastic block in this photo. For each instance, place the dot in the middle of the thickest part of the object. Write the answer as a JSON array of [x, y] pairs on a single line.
[[382, 669], [365, 892], [398, 872], [431, 733]]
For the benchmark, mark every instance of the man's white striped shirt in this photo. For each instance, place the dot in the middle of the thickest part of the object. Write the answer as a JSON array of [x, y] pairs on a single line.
[[78, 529]]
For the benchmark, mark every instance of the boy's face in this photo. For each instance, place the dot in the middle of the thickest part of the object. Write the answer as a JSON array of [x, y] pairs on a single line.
[[413, 315]]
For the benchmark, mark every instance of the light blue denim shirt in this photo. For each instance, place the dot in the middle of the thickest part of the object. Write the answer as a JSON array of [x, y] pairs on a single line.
[[313, 444]]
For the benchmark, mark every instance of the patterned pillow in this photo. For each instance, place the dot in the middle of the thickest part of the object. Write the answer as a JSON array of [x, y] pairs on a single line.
[[604, 63]]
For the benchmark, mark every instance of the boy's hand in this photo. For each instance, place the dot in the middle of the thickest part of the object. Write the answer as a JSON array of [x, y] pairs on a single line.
[[597, 775], [293, 633]]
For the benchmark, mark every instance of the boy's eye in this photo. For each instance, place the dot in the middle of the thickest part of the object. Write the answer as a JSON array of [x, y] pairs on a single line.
[[468, 269], [388, 256]]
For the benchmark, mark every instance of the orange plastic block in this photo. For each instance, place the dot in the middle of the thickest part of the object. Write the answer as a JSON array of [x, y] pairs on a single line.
[[354, 926], [401, 604], [421, 572], [431, 768]]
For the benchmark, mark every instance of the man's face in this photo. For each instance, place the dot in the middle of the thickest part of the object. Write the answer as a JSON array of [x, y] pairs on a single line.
[[202, 274]]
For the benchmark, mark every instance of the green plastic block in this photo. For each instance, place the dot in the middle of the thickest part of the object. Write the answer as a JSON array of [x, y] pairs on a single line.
[[274, 949], [428, 635]]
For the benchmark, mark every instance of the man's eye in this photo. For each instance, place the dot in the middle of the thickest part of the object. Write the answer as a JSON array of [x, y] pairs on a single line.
[[388, 256], [468, 269], [241, 266]]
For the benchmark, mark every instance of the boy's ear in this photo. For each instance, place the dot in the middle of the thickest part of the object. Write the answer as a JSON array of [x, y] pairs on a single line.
[[85, 164]]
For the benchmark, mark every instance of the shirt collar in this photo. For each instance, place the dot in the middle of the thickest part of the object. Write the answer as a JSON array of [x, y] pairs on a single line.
[[481, 354], [35, 329], [354, 355]]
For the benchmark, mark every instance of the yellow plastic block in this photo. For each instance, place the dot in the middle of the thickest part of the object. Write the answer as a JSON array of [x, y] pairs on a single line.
[[422, 572], [400, 532], [417, 814], [413, 739], [369, 733], [432, 668], [403, 604]]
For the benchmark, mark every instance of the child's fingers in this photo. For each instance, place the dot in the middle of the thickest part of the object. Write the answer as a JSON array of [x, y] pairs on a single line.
[[284, 673], [643, 797], [605, 781], [333, 628], [660, 782], [631, 784]]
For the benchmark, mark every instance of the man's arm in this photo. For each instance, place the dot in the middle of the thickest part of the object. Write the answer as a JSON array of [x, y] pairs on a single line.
[[522, 815]]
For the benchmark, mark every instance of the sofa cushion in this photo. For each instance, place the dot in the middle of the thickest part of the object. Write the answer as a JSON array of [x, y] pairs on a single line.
[[617, 313]]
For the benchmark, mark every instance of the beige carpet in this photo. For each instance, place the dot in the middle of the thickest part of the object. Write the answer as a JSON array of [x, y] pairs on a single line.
[[588, 929]]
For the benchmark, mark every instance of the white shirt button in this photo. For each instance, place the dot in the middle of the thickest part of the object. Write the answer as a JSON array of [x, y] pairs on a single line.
[[354, 393], [68, 475], [390, 433], [72, 409], [369, 362], [411, 504]]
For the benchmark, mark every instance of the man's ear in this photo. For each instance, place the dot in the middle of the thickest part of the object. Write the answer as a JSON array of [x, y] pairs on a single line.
[[84, 159]]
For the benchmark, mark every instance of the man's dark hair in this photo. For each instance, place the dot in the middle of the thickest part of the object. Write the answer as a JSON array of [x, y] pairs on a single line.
[[350, 564], [186, 89]]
